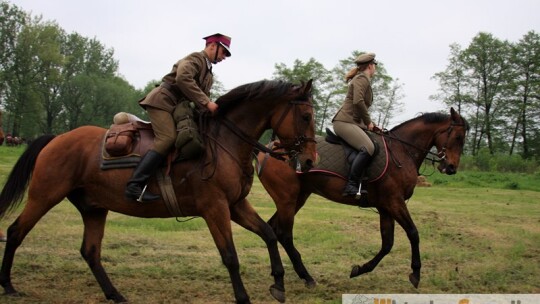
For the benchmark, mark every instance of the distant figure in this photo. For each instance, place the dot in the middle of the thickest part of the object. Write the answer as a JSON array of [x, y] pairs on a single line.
[[3, 237]]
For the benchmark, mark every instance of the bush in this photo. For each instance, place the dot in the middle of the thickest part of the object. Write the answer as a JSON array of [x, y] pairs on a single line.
[[484, 161]]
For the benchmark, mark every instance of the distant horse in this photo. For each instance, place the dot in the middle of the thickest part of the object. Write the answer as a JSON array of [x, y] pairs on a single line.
[[2, 136], [408, 145], [213, 187], [13, 141]]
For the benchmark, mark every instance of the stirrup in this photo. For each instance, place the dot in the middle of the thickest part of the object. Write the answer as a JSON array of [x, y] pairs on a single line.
[[361, 191], [140, 198]]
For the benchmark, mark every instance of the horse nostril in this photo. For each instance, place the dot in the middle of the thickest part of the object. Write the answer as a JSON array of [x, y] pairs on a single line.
[[309, 163], [450, 170]]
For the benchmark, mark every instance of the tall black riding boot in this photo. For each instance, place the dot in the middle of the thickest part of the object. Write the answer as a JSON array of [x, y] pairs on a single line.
[[356, 174], [147, 167]]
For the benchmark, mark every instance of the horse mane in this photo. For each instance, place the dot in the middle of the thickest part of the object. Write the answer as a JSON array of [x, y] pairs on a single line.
[[264, 89], [433, 117]]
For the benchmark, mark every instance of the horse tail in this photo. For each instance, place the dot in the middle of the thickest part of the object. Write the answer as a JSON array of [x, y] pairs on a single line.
[[15, 187]]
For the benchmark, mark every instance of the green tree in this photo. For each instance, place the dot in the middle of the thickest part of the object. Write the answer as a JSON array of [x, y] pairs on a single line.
[[302, 72], [12, 20], [487, 59], [21, 100], [524, 91]]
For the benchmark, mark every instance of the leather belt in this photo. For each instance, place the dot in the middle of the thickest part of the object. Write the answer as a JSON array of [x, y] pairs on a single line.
[[173, 89]]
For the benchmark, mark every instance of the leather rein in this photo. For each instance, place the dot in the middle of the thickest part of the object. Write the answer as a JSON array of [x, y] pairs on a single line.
[[437, 157], [292, 146]]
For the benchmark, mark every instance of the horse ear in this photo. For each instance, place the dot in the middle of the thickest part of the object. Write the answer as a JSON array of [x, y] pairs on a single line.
[[454, 115], [308, 86]]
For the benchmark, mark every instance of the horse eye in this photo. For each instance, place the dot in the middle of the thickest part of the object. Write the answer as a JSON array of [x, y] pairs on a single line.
[[306, 117]]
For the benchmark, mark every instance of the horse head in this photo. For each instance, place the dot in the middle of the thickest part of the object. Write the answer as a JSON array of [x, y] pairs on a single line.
[[450, 141], [294, 124]]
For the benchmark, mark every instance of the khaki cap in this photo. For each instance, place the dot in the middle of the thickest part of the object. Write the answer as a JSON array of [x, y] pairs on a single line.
[[365, 58]]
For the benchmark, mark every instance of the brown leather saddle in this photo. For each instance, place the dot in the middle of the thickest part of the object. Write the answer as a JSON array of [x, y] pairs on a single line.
[[127, 139]]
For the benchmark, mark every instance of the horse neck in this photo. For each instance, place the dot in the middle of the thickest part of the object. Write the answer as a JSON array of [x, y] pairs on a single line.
[[249, 120], [418, 138]]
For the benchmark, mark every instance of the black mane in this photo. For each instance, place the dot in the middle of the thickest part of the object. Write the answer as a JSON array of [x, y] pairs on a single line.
[[434, 117], [264, 89]]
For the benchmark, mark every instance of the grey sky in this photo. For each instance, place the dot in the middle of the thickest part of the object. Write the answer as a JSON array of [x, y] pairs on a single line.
[[411, 38]]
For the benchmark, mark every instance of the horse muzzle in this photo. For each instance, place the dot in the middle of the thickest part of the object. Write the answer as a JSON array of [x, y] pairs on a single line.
[[447, 168]]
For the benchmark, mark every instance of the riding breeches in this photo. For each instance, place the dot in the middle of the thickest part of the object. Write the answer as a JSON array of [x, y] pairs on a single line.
[[354, 136], [164, 129]]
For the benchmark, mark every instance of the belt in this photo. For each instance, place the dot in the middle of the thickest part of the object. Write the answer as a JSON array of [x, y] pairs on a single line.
[[173, 89]]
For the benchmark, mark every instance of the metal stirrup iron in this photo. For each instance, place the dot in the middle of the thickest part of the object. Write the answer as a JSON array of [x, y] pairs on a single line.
[[140, 199], [359, 194]]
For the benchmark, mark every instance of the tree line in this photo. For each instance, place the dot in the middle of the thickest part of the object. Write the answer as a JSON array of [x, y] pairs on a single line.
[[52, 81], [496, 85]]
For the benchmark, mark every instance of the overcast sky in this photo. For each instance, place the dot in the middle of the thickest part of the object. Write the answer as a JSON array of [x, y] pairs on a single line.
[[410, 37]]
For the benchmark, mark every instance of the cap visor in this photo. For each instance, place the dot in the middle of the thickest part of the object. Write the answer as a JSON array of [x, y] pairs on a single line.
[[226, 49]]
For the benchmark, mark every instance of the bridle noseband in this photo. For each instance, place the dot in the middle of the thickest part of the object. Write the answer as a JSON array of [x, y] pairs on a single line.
[[442, 153], [292, 146]]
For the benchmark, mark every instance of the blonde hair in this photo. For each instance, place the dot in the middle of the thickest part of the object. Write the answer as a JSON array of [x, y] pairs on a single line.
[[357, 69]]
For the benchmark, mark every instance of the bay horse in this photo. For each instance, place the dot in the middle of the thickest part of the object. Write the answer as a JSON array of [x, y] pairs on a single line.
[[213, 187], [408, 145]]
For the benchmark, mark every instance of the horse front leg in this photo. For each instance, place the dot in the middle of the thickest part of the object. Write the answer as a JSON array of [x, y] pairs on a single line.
[[405, 221], [243, 214], [387, 236], [219, 224], [94, 227], [282, 222]]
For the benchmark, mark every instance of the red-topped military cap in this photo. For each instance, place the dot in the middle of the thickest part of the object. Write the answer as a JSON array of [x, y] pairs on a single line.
[[223, 40]]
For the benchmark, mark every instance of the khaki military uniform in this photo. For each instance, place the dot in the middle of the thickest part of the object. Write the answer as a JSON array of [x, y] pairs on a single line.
[[353, 116], [190, 80]]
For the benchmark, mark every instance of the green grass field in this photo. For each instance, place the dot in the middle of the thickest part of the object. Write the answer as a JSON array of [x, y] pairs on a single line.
[[480, 233]]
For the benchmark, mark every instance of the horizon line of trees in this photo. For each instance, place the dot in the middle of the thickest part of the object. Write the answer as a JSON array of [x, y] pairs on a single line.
[[52, 82], [496, 85]]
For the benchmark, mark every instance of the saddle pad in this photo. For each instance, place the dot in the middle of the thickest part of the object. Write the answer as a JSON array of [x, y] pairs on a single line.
[[332, 159]]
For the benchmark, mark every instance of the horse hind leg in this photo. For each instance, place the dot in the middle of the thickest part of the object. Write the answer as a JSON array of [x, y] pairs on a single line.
[[16, 233], [243, 214], [94, 227]]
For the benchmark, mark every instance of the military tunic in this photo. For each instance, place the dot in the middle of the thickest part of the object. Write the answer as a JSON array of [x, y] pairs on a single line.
[[190, 80], [359, 99], [353, 116]]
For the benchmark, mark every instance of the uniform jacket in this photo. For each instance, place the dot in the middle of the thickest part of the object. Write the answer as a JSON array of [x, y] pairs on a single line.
[[359, 99], [192, 80]]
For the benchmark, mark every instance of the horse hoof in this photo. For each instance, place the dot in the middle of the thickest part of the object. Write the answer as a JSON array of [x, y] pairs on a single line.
[[14, 294], [311, 284], [355, 271], [278, 293], [415, 279]]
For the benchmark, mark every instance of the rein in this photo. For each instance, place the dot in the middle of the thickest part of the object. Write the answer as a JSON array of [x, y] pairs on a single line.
[[439, 156], [292, 149]]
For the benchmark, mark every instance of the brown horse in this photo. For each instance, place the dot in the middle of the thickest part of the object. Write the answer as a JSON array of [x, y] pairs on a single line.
[[213, 187], [408, 145]]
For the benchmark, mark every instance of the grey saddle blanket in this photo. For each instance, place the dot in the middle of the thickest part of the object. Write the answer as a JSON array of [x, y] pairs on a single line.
[[334, 160]]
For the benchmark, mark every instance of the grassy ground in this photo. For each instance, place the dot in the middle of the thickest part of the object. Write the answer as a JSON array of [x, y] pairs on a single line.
[[474, 239]]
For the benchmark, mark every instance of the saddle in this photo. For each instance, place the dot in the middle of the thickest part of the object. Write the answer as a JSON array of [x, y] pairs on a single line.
[[127, 139], [336, 156], [350, 151]]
